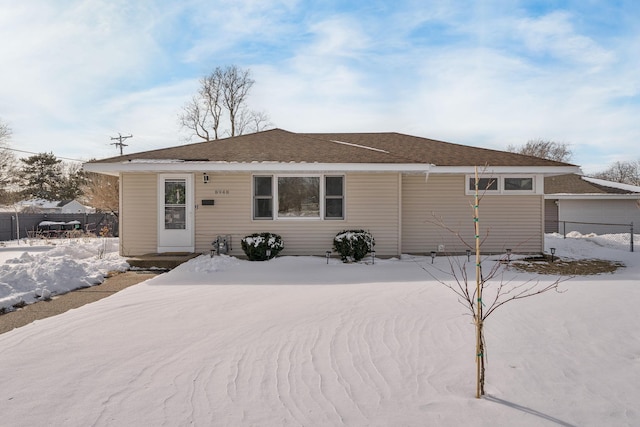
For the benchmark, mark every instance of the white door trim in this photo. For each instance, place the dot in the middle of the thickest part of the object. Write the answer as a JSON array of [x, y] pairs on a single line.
[[182, 239]]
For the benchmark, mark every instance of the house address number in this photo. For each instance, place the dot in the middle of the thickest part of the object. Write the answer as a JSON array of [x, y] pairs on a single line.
[[221, 192]]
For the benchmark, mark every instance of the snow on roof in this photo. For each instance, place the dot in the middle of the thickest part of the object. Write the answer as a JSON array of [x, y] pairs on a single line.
[[618, 185]]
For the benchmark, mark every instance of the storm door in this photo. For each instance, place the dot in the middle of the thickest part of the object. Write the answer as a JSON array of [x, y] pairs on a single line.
[[175, 219]]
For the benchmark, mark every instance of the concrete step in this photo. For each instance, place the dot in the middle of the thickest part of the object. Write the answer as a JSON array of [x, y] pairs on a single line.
[[164, 261]]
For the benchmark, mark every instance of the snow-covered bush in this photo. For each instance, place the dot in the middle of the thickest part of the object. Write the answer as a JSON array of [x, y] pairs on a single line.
[[353, 245], [256, 245]]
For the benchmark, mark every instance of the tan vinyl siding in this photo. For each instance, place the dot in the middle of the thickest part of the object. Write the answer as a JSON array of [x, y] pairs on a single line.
[[550, 216], [138, 214], [371, 203], [433, 211]]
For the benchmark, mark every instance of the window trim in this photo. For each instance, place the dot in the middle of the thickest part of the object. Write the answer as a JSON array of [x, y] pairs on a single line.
[[274, 197], [500, 178], [333, 197], [255, 197]]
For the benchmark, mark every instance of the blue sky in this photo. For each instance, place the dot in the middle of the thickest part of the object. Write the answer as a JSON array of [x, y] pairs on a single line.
[[484, 73]]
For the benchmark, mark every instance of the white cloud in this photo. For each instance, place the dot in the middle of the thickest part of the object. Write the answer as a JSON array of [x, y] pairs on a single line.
[[82, 71], [555, 35]]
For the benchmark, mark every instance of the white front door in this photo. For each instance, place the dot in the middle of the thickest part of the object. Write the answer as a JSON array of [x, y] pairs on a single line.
[[175, 219]]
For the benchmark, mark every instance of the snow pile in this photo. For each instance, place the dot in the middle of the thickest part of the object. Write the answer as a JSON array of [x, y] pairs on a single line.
[[296, 341], [33, 272], [587, 246]]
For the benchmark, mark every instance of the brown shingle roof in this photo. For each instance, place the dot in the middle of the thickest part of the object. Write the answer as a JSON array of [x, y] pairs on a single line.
[[574, 184], [278, 145]]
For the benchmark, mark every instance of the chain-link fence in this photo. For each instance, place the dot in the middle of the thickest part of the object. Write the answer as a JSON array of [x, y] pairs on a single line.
[[622, 233]]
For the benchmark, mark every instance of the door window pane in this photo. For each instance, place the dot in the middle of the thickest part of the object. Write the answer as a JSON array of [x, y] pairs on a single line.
[[175, 200], [175, 218], [175, 192]]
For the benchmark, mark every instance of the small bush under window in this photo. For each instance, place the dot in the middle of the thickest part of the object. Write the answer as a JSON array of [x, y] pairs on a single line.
[[353, 245], [262, 246]]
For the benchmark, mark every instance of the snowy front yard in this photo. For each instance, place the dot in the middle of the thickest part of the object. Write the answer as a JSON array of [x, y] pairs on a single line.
[[294, 341]]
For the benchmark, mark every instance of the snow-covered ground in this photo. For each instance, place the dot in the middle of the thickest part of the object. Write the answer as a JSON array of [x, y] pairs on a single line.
[[294, 341], [35, 268]]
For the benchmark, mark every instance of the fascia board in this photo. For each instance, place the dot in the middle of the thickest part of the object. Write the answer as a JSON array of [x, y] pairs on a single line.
[[485, 170], [186, 166], [592, 196], [177, 166]]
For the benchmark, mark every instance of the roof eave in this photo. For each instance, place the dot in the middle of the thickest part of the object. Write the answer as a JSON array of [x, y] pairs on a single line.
[[488, 170], [116, 168], [185, 166], [592, 196]]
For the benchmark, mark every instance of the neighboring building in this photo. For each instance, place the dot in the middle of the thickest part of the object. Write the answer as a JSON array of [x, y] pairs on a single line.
[[53, 206], [589, 205], [405, 190]]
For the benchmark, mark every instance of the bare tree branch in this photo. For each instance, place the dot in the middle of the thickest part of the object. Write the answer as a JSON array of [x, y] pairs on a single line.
[[236, 84], [223, 92], [623, 172], [545, 149]]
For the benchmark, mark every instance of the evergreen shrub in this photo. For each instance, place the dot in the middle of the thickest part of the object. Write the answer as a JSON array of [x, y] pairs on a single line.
[[353, 245], [255, 246]]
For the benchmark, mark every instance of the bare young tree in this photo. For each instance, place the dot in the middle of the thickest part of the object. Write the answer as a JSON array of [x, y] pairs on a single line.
[[490, 290], [102, 192], [223, 92], [551, 150], [8, 165], [622, 172]]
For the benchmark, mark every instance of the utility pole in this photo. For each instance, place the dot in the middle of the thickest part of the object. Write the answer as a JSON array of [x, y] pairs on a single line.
[[120, 138]]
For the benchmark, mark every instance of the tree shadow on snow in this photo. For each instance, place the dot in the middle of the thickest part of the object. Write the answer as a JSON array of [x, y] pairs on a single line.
[[528, 411]]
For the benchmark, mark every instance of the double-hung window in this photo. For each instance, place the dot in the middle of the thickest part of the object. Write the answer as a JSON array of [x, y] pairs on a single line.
[[298, 197], [333, 197], [262, 197]]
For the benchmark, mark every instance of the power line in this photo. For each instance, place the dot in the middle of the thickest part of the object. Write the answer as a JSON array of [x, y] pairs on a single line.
[[31, 152], [120, 138]]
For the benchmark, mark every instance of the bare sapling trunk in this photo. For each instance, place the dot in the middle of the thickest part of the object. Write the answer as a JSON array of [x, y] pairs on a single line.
[[478, 309], [474, 295]]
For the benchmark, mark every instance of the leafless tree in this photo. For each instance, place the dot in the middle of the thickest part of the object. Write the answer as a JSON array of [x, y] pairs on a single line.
[[252, 121], [235, 87], [622, 172], [223, 92], [5, 132], [8, 166], [490, 290], [102, 192], [558, 151]]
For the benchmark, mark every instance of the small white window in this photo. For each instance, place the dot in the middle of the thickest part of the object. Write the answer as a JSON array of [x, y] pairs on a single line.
[[518, 184], [502, 184], [484, 184]]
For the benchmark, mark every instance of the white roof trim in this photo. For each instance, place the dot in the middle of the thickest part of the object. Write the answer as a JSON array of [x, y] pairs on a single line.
[[172, 165], [592, 196], [495, 170], [182, 166], [611, 184]]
